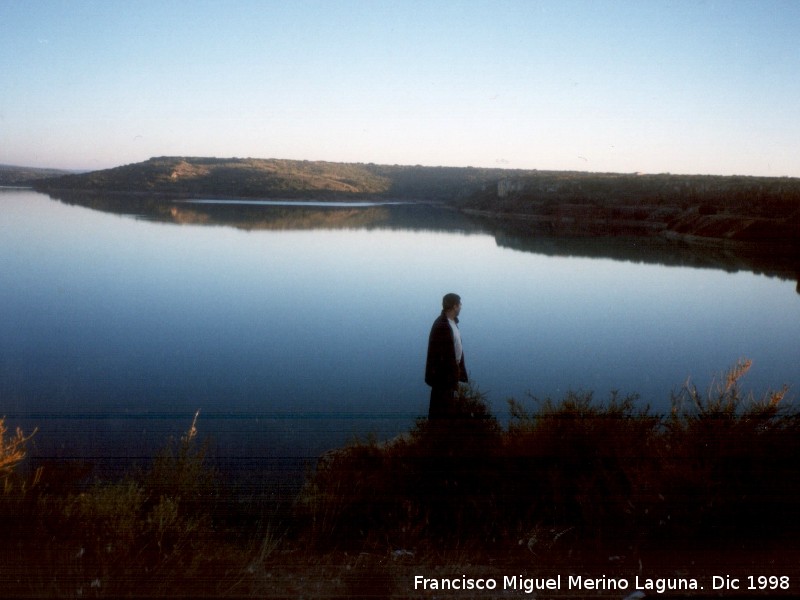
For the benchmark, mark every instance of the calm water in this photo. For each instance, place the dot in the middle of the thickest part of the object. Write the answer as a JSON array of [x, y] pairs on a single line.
[[116, 329]]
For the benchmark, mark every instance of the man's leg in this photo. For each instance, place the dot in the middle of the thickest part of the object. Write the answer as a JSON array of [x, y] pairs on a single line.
[[441, 404]]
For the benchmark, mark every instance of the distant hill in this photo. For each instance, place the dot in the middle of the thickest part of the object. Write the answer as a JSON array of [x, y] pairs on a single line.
[[751, 210], [25, 176]]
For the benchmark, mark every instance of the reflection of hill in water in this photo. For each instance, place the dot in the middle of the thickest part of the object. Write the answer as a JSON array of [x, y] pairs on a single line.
[[423, 217], [431, 217], [252, 216], [647, 249]]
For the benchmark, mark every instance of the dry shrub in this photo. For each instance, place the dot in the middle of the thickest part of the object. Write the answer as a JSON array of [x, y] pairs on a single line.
[[721, 463], [12, 449], [732, 461], [428, 482], [581, 463], [150, 535], [180, 471]]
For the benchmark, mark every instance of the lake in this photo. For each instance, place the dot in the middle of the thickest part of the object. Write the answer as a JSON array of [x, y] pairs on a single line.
[[295, 328]]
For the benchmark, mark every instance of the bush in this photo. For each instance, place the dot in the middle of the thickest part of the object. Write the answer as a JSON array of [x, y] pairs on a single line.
[[438, 478], [732, 461], [148, 535], [583, 464], [720, 464]]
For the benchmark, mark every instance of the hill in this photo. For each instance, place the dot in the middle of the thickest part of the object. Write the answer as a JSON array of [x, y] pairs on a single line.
[[743, 210], [276, 178], [11, 175], [758, 211]]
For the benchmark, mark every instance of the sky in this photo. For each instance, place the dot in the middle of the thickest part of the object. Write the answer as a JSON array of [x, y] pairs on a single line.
[[689, 87]]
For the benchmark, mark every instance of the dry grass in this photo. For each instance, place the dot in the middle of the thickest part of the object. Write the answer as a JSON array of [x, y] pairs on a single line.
[[12, 449]]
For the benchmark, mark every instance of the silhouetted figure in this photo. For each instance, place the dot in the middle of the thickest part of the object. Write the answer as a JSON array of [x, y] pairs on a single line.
[[445, 367]]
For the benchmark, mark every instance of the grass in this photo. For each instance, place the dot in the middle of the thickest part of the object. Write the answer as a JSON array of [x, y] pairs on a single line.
[[12, 449], [570, 486]]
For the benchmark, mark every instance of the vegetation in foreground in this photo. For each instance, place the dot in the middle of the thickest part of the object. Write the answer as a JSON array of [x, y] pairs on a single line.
[[575, 486]]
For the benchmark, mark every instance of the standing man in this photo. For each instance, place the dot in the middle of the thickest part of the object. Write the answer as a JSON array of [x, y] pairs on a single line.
[[445, 367]]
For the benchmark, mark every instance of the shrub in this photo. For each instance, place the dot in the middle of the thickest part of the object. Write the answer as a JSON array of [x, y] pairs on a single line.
[[12, 450], [581, 463], [149, 535], [720, 464], [732, 460], [180, 472], [431, 481]]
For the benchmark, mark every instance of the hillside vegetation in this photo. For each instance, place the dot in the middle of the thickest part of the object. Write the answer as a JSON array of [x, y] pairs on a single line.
[[25, 176], [274, 178], [759, 210]]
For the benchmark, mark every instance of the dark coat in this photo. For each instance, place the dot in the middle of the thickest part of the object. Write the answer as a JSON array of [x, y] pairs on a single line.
[[441, 369]]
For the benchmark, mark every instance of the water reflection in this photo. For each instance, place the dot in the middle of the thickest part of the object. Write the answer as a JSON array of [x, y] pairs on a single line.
[[654, 250], [278, 215]]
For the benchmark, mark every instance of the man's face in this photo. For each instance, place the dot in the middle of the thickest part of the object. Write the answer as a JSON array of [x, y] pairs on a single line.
[[457, 309]]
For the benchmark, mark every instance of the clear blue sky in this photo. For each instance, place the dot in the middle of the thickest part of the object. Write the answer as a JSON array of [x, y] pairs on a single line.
[[681, 87]]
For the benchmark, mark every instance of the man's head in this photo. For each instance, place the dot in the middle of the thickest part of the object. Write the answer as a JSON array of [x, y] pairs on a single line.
[[451, 304]]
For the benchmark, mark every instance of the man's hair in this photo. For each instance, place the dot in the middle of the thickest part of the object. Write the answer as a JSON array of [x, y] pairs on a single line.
[[450, 300]]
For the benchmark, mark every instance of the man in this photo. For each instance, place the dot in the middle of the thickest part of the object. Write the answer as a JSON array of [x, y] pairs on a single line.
[[445, 366]]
